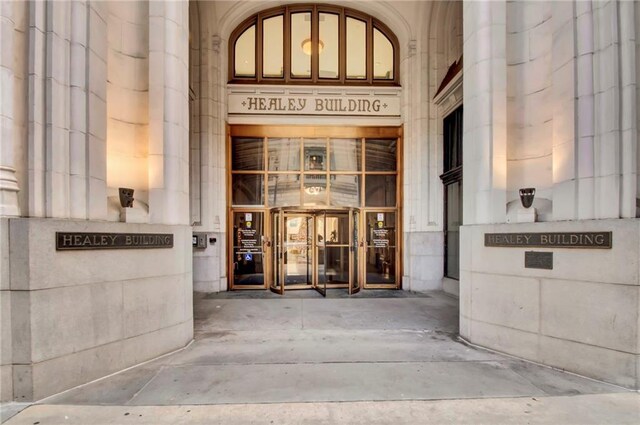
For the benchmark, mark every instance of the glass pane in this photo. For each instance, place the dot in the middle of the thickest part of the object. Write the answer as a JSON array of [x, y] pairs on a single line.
[[328, 59], [301, 46], [284, 154], [335, 266], [381, 242], [453, 140], [345, 154], [283, 190], [245, 51], [248, 260], [454, 221], [298, 251], [382, 56], [355, 238], [381, 229], [381, 155], [380, 191], [356, 48], [276, 251], [315, 155], [381, 265], [272, 47], [247, 189], [247, 154], [345, 191], [315, 189], [337, 229]]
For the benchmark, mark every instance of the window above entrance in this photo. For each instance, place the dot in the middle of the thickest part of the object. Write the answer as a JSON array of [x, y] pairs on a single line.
[[313, 44]]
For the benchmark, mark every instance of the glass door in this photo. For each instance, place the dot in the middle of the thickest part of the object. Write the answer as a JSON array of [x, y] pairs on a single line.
[[298, 251], [321, 253], [248, 265], [354, 252], [380, 250], [315, 250], [277, 281]]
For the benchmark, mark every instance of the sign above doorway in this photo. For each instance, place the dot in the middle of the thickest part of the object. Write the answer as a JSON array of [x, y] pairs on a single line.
[[261, 100]]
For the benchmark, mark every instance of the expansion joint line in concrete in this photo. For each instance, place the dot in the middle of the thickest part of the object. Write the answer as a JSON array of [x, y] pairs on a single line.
[[155, 375]]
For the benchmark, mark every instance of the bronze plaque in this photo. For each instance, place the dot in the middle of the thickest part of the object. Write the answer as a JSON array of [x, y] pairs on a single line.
[[69, 241], [538, 260], [600, 240]]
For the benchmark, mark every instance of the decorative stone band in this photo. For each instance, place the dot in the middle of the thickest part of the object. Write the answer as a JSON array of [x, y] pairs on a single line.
[[8, 179], [74, 241], [602, 240]]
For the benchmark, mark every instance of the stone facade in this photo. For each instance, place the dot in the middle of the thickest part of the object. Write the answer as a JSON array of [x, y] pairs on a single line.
[[100, 95]]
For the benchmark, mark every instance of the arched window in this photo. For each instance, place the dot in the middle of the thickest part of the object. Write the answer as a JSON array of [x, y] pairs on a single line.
[[320, 44]]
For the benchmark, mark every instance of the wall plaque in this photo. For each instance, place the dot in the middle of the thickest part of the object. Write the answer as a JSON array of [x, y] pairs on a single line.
[[538, 260], [600, 240], [69, 241]]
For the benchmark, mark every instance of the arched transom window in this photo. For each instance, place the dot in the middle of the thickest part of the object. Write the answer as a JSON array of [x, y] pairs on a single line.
[[313, 44]]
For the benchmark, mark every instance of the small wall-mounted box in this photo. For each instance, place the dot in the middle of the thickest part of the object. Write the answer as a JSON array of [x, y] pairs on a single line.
[[199, 240]]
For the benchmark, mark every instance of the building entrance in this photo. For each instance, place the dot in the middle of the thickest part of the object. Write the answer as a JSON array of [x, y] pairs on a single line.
[[315, 249], [314, 208]]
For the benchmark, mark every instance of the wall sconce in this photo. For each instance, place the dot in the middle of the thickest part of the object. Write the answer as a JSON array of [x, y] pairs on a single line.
[[126, 197], [526, 196], [306, 46]]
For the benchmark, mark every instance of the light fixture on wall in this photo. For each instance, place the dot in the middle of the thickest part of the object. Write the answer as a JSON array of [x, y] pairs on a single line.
[[307, 46], [526, 196], [126, 197]]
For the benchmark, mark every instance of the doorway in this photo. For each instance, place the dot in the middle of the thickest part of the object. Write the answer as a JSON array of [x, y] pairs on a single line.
[[314, 249], [314, 208], [452, 181]]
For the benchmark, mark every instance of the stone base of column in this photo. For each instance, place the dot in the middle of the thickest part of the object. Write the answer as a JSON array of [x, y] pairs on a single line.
[[8, 193]]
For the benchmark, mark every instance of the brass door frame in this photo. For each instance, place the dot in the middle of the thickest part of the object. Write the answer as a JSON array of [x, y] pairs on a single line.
[[266, 249], [314, 214], [364, 246], [265, 131]]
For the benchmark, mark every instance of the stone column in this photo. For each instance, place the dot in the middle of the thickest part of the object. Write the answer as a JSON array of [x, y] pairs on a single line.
[[168, 112], [485, 112], [8, 182]]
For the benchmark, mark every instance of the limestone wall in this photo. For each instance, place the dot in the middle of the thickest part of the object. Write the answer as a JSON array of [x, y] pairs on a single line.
[[529, 87], [582, 316], [96, 99], [70, 317], [128, 97]]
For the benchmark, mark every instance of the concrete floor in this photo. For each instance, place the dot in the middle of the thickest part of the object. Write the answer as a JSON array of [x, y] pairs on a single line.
[[253, 350]]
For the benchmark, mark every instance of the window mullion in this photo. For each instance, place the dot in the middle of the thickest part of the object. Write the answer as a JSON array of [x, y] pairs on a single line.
[[369, 50], [259, 53], [287, 46], [315, 37], [342, 47]]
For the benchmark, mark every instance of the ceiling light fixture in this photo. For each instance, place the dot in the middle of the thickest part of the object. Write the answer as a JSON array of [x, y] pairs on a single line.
[[306, 46]]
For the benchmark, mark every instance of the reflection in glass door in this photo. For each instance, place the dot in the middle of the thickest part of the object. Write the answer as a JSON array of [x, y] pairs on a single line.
[[298, 251]]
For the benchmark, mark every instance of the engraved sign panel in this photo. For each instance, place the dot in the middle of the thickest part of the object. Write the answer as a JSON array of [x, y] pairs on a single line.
[[601, 240], [69, 241], [538, 260], [335, 101]]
